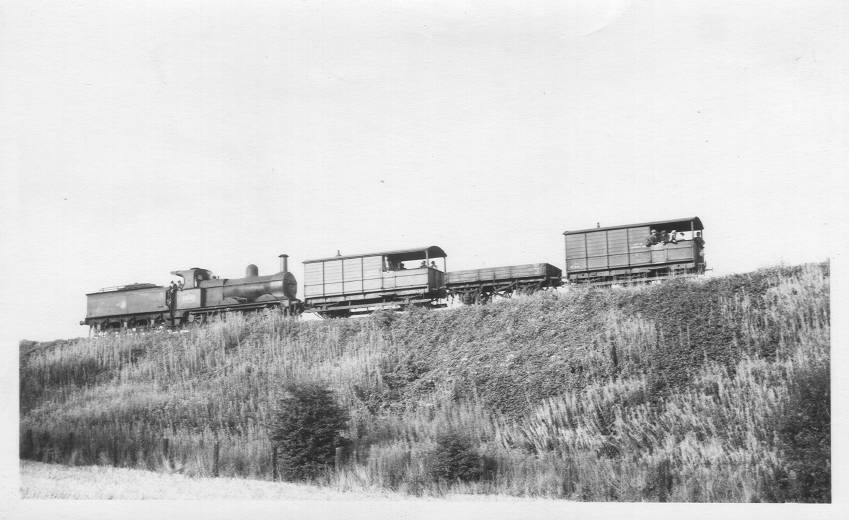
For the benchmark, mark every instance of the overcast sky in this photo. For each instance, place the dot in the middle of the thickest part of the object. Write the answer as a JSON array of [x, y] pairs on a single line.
[[151, 136]]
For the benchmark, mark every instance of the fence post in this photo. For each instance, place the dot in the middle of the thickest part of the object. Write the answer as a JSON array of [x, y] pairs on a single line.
[[27, 446], [115, 452], [70, 448], [166, 452], [356, 449], [215, 454], [337, 459], [44, 447], [274, 472]]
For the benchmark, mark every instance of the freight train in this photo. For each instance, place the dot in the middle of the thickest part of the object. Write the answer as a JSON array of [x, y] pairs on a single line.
[[341, 286]]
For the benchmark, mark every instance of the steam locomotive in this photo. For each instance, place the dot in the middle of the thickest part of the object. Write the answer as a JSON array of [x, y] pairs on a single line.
[[340, 286], [199, 295]]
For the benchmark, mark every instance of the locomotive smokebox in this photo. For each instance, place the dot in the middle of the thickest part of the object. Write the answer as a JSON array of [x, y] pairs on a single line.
[[251, 271], [284, 263]]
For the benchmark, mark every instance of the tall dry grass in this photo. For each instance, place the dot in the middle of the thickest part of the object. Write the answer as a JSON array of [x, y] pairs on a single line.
[[678, 392]]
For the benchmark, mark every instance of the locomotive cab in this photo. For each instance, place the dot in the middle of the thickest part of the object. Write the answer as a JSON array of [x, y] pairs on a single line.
[[191, 295], [192, 277]]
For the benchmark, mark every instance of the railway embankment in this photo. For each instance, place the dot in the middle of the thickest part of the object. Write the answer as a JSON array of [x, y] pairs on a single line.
[[713, 389]]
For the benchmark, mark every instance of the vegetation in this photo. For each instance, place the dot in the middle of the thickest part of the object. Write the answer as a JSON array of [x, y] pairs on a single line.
[[455, 459], [692, 390], [306, 431]]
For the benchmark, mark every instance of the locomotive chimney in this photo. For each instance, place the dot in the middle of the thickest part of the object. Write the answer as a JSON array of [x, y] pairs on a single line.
[[284, 263], [251, 271]]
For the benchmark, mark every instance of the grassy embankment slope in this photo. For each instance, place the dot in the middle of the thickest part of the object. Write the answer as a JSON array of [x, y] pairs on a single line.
[[706, 390]]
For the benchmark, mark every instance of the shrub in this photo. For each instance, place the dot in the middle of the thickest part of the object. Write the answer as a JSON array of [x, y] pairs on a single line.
[[383, 318], [804, 433], [454, 459], [306, 430]]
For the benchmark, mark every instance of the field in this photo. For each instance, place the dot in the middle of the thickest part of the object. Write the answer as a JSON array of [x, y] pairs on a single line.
[[55, 481], [712, 390], [39, 480]]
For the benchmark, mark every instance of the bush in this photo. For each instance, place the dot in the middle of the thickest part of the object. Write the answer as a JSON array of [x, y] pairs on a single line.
[[454, 459], [804, 433], [306, 431]]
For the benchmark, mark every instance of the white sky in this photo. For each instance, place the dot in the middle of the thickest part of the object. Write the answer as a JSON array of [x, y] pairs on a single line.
[[141, 138]]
